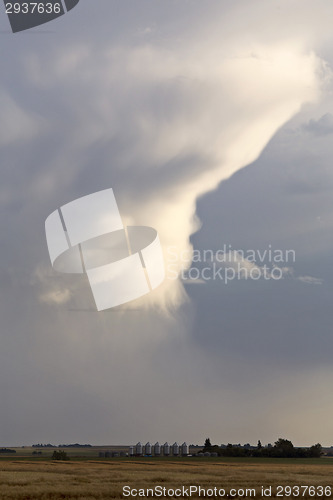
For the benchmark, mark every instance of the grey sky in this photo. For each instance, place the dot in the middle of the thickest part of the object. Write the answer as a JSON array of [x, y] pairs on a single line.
[[161, 101]]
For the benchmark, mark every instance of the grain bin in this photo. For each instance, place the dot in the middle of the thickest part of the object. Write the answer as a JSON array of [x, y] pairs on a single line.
[[175, 449], [184, 448], [166, 449]]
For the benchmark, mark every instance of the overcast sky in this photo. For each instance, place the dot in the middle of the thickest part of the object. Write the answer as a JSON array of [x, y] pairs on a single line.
[[213, 123]]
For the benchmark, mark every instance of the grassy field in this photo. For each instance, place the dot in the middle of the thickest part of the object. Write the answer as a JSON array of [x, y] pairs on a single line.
[[41, 479]]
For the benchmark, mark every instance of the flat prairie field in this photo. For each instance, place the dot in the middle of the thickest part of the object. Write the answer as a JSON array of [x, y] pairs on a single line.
[[40, 479]]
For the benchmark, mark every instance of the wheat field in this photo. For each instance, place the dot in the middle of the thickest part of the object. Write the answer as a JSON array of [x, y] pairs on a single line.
[[102, 479]]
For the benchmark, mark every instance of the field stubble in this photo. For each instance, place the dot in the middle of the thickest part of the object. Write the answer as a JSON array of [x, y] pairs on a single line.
[[103, 480]]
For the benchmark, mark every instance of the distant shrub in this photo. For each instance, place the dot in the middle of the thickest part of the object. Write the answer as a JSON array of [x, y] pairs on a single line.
[[7, 450], [60, 455]]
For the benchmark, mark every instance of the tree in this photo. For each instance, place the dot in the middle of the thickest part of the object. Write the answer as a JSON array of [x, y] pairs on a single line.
[[284, 448], [207, 443], [316, 451], [284, 444], [259, 445], [60, 455]]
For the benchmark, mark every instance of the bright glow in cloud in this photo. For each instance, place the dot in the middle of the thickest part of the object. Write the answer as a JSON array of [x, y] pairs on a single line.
[[198, 119]]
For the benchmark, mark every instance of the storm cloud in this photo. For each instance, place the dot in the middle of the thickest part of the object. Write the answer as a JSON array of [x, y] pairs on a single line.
[[162, 104]]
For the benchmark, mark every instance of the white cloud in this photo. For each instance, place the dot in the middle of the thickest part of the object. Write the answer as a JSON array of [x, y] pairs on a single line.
[[61, 296], [310, 280], [187, 119]]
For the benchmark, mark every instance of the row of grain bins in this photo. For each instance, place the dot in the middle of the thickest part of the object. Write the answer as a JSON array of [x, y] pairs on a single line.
[[158, 450]]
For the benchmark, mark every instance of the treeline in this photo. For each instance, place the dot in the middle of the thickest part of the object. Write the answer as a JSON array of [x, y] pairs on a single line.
[[49, 445], [283, 448], [7, 450], [75, 445]]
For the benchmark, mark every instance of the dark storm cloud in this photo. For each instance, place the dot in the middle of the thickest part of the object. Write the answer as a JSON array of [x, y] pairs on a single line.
[[323, 126], [284, 201]]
